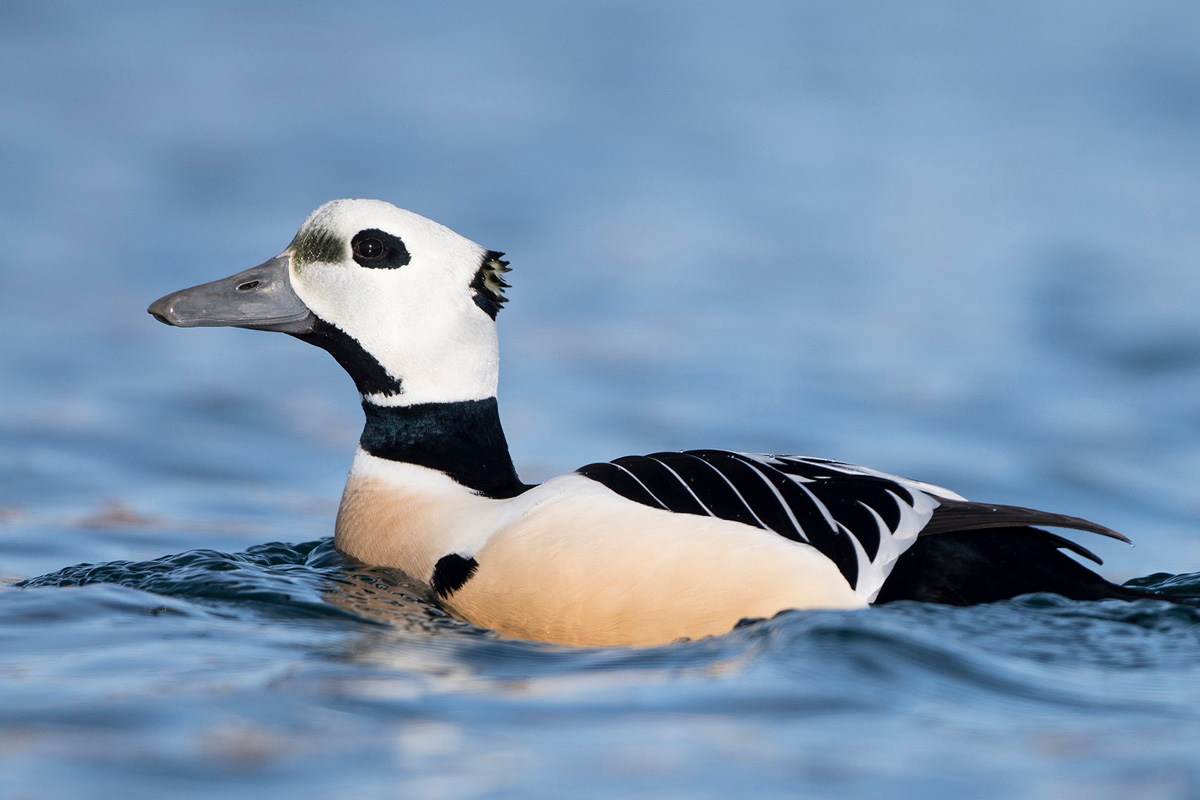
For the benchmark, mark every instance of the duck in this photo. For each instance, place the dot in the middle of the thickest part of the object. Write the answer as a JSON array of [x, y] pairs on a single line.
[[641, 550]]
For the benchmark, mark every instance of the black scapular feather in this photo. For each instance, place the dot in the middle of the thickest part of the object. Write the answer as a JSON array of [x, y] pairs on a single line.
[[954, 516]]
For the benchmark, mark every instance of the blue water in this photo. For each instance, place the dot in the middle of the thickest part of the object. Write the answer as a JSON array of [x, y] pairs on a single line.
[[955, 242]]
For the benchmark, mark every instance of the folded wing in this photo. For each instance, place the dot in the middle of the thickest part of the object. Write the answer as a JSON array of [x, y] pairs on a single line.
[[870, 524]]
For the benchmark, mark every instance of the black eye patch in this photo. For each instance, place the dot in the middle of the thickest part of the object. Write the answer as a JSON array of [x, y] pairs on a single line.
[[378, 250]]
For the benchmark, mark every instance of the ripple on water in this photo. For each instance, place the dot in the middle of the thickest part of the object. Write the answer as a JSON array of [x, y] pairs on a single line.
[[999, 647], [295, 654]]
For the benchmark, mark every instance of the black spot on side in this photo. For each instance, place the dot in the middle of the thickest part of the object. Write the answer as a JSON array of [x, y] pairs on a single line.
[[369, 375], [385, 251], [450, 573]]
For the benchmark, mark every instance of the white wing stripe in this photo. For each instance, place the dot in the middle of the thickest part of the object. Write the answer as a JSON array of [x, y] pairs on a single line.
[[731, 486], [786, 508], [685, 485], [639, 483], [833, 523]]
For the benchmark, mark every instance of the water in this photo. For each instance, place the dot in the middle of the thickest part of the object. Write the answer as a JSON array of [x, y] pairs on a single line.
[[286, 670], [956, 243]]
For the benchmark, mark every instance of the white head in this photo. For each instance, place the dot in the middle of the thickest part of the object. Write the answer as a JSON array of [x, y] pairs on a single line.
[[406, 305]]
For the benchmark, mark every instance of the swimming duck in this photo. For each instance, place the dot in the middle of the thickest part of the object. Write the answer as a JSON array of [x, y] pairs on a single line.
[[641, 550]]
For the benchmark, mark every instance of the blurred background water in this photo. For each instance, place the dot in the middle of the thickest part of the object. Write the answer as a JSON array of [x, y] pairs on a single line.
[[952, 241]]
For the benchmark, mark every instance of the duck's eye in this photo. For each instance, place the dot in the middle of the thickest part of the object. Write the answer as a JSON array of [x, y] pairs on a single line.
[[369, 249], [378, 249]]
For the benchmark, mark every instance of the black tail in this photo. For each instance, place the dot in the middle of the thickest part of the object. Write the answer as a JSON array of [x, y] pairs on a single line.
[[967, 567]]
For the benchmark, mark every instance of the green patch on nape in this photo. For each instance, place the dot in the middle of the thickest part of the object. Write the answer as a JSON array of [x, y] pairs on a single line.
[[489, 284]]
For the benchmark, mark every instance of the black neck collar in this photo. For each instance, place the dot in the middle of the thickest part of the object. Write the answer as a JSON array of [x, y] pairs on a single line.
[[462, 439]]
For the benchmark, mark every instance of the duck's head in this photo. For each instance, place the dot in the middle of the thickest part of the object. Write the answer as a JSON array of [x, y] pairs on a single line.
[[404, 304]]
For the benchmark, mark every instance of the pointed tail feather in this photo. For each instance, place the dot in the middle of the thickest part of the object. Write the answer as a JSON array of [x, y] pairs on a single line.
[[972, 553], [956, 516], [987, 565]]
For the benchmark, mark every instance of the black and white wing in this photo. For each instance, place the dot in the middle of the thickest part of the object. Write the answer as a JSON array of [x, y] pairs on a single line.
[[860, 519]]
